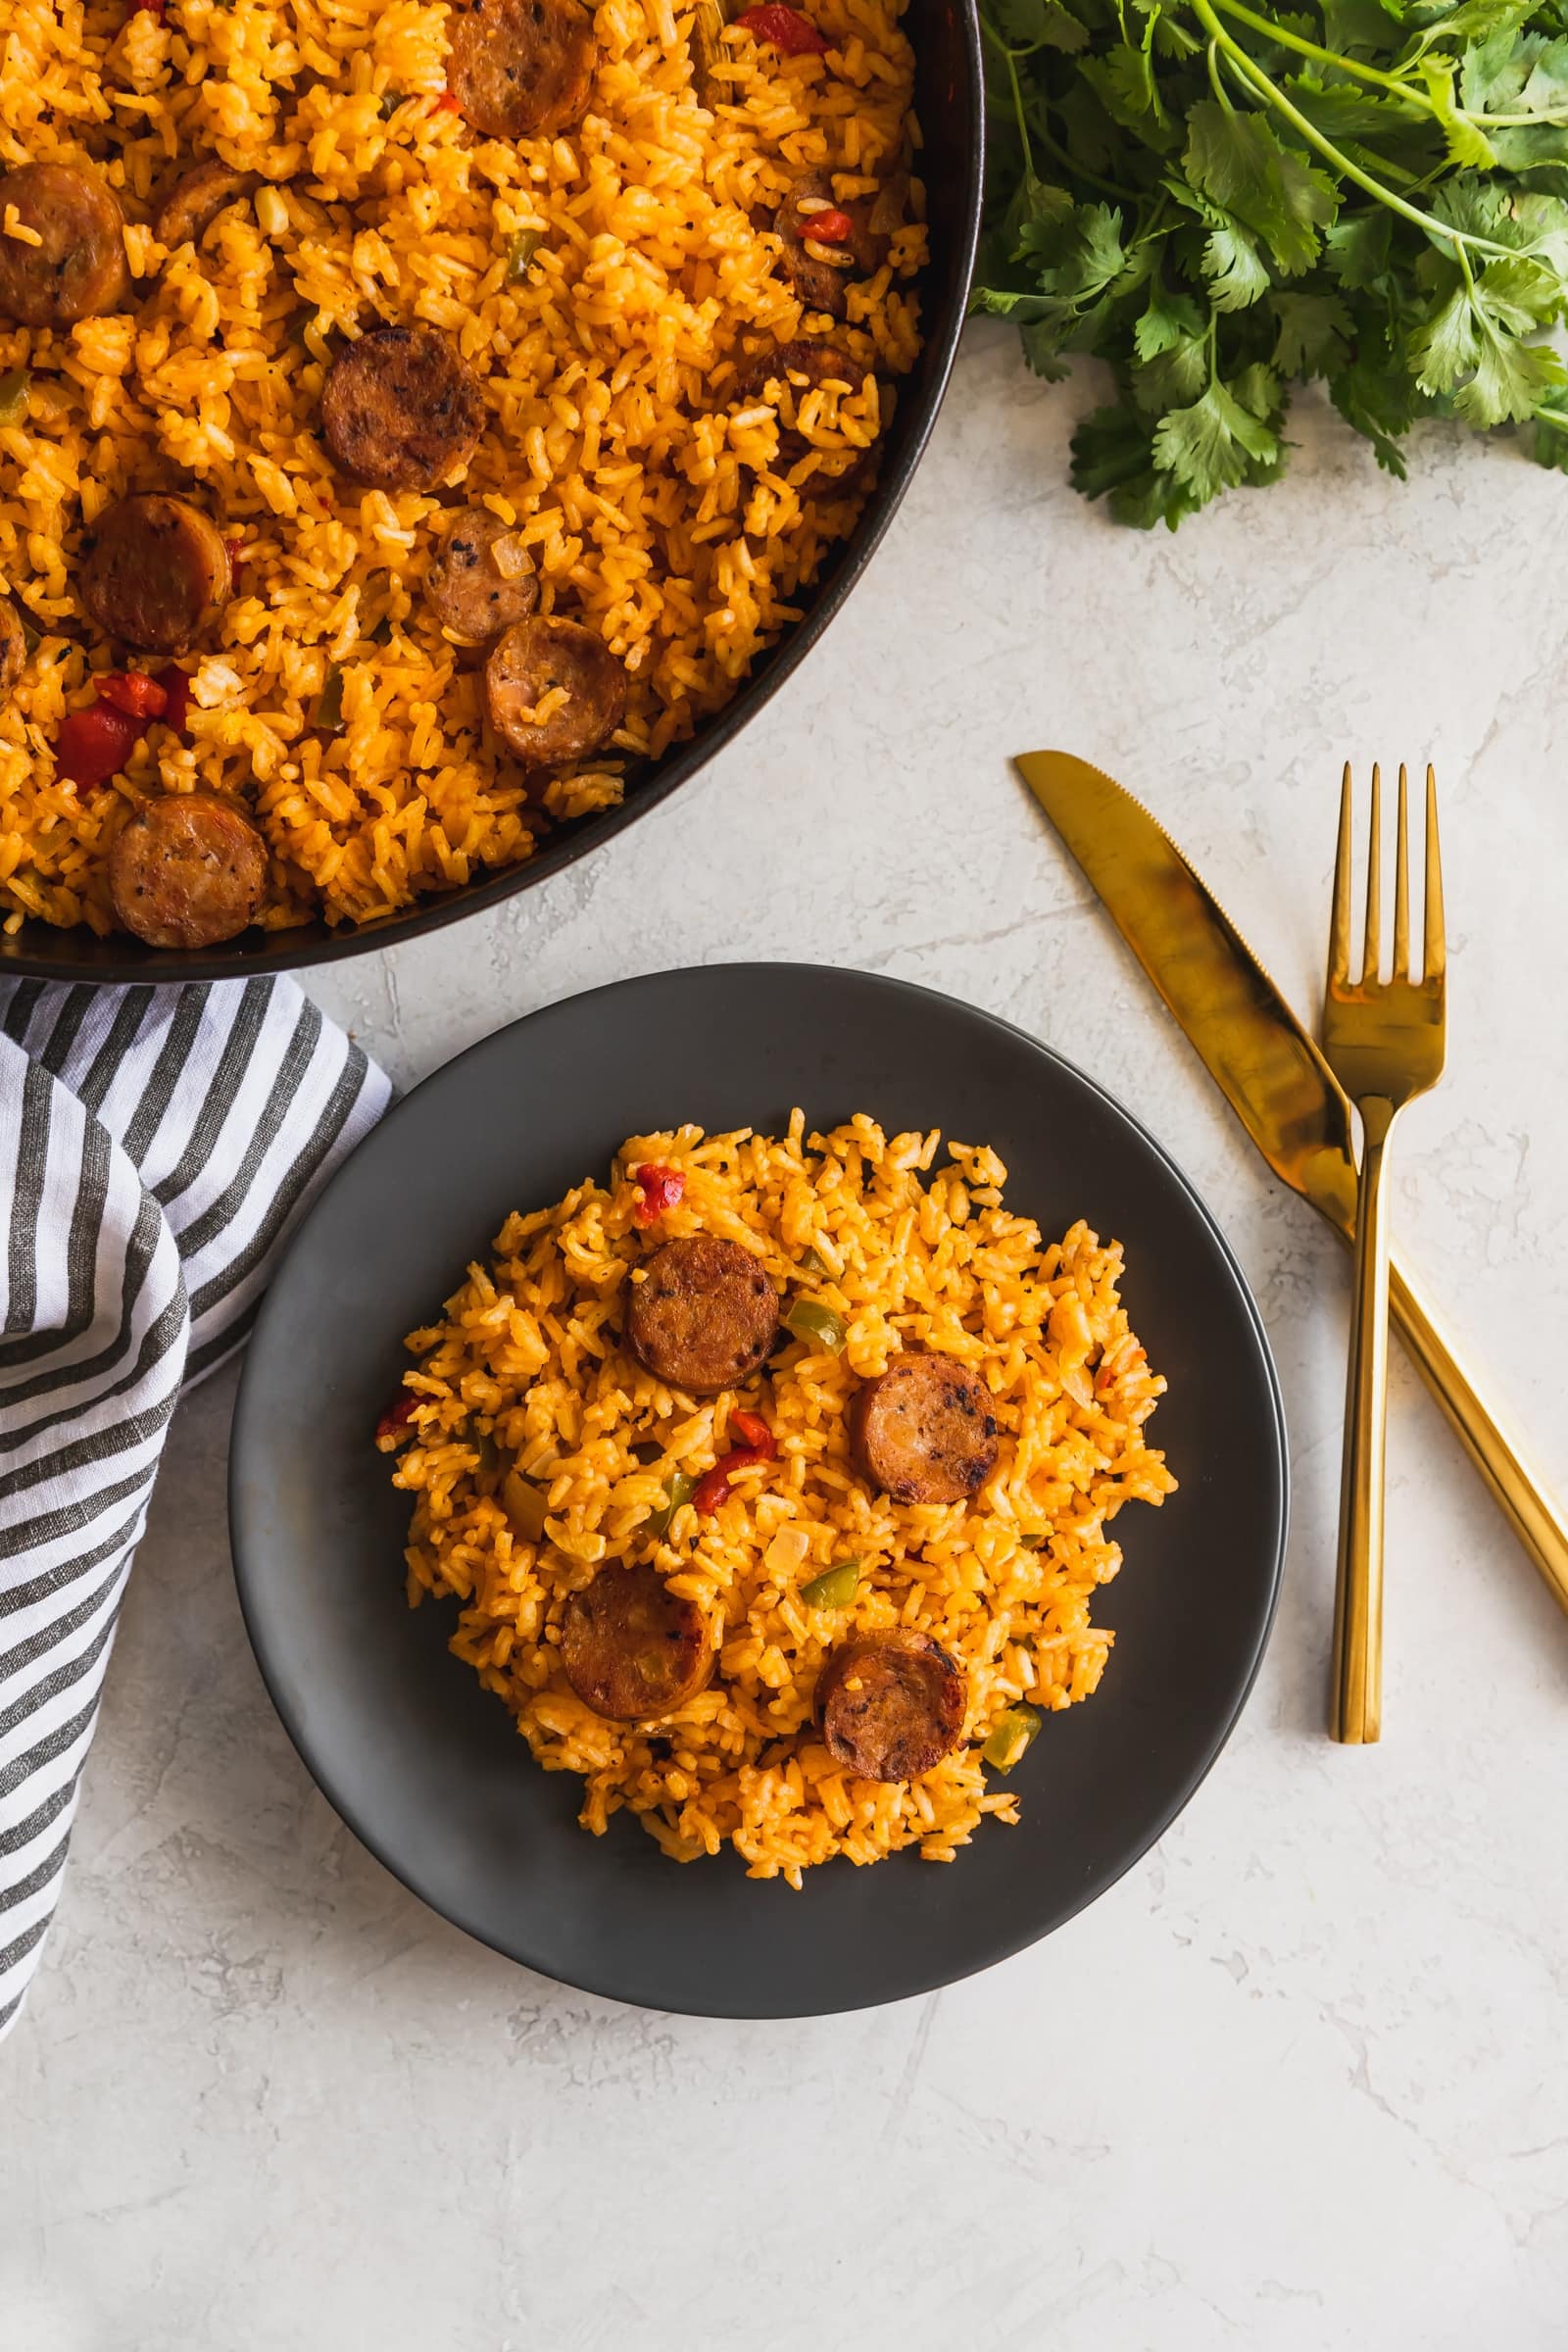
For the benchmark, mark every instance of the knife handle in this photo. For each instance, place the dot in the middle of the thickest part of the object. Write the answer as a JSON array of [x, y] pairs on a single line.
[[1515, 1486]]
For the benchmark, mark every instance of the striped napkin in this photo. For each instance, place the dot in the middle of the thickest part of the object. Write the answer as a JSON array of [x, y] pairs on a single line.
[[155, 1146]]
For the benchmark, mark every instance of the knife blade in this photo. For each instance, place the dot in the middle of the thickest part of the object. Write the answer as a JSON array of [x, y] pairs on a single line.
[[1273, 1076]]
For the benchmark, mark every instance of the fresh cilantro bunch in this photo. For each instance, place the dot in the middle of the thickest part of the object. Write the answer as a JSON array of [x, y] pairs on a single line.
[[1219, 199]]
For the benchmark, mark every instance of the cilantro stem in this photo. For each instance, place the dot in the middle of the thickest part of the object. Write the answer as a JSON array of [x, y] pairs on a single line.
[[1212, 57], [1042, 134], [1325, 57], [1395, 83], [1270, 90], [1019, 115]]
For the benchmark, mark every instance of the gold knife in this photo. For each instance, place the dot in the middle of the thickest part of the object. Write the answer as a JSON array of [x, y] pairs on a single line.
[[1276, 1081]]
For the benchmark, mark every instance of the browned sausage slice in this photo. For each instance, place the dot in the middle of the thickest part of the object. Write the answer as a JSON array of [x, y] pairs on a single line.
[[157, 574], [631, 1648], [530, 661], [891, 1705], [705, 1314], [78, 270], [819, 362], [483, 580], [816, 359], [12, 646], [924, 1431], [400, 409], [819, 284], [521, 68], [196, 199], [188, 871]]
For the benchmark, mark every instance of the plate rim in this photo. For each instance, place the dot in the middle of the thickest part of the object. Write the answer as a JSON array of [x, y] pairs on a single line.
[[1010, 1946]]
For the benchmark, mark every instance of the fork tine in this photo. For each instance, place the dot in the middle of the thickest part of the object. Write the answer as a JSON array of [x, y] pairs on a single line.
[[1402, 887], [1372, 954], [1436, 951], [1340, 922]]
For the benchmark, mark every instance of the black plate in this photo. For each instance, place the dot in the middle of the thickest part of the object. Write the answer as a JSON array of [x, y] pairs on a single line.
[[426, 1766], [949, 103]]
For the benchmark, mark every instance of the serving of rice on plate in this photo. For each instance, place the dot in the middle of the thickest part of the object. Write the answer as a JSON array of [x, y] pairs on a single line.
[[538, 1451], [615, 289]]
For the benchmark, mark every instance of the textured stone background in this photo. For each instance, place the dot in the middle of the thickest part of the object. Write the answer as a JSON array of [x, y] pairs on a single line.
[[1300, 2081]]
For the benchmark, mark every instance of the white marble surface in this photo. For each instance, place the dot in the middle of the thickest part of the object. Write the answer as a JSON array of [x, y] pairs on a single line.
[[1301, 2082]]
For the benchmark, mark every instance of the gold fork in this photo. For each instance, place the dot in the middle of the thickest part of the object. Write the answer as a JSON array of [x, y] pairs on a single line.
[[1384, 1041]]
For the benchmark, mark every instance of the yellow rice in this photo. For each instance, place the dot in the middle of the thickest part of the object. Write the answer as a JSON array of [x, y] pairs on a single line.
[[524, 1375], [655, 507]]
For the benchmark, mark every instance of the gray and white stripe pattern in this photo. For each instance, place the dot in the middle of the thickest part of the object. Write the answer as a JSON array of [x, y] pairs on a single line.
[[156, 1144]]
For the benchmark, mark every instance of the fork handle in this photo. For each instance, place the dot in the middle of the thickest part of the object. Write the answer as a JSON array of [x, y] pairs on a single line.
[[1356, 1715], [1517, 1489]]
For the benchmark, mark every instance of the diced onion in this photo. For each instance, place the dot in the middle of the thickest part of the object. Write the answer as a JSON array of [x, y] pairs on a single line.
[[787, 1550]]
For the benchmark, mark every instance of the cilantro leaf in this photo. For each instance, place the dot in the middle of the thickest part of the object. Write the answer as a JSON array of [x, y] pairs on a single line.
[[1169, 321], [1550, 446], [1237, 273], [1113, 457], [1172, 377], [1443, 349], [1110, 447], [1313, 333], [1467, 143], [1083, 255], [1240, 163], [1209, 446], [1509, 381], [1124, 83], [1026, 22], [1357, 248]]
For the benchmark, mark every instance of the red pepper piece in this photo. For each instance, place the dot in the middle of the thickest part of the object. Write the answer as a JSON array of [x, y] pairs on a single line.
[[828, 228], [94, 745], [235, 549], [760, 1447], [785, 28], [447, 103], [133, 692], [397, 1416], [661, 1188], [175, 683], [712, 1490]]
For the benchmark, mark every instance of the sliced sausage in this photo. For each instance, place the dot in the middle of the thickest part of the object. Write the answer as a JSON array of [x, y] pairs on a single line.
[[819, 284], [483, 580], [12, 646], [816, 359], [196, 198], [400, 409], [188, 871], [157, 574], [890, 1707], [819, 362], [630, 1647], [78, 270], [521, 68], [531, 659], [924, 1431], [704, 1316]]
